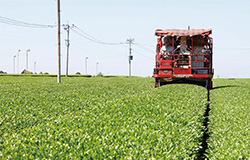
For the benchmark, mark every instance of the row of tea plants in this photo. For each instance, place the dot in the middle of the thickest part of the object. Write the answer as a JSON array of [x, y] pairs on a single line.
[[99, 118], [230, 119]]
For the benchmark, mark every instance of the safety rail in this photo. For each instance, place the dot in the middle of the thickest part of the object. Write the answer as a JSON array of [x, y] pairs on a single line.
[[197, 63]]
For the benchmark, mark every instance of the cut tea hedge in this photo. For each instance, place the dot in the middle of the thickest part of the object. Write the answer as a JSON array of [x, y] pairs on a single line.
[[230, 119], [99, 118], [121, 118]]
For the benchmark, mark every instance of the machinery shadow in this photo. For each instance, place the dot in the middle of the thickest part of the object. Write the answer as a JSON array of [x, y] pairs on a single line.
[[227, 86]]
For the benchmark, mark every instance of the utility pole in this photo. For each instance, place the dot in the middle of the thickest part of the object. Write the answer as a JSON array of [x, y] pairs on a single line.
[[67, 27], [97, 68], [27, 61], [86, 65], [34, 67], [59, 42], [14, 64], [130, 41], [18, 60]]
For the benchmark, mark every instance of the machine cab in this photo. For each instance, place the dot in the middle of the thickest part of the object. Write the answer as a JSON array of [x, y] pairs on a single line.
[[184, 56]]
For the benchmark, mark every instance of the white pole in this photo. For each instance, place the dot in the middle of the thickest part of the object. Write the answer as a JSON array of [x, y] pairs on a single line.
[[86, 65], [67, 44], [130, 41], [18, 60], [97, 68], [67, 27], [14, 64], [34, 67], [27, 60]]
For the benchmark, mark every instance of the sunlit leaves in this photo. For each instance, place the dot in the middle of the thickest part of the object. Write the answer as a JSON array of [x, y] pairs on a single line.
[[230, 119], [99, 118]]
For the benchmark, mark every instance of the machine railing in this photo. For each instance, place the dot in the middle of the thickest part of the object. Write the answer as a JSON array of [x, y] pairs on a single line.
[[196, 63]]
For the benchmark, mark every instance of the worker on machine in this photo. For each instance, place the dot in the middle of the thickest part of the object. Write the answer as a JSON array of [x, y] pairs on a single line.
[[166, 47]]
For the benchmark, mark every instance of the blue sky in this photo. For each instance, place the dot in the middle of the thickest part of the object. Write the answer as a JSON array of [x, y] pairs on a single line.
[[114, 21]]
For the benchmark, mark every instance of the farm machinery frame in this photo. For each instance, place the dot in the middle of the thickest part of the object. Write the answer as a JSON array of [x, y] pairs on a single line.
[[184, 56]]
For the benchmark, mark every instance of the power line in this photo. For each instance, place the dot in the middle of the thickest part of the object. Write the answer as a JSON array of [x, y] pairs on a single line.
[[240, 49], [143, 55], [140, 46], [19, 23], [93, 39], [150, 45], [86, 34], [76, 32]]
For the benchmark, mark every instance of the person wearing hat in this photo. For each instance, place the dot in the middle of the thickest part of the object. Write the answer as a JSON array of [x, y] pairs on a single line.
[[166, 47]]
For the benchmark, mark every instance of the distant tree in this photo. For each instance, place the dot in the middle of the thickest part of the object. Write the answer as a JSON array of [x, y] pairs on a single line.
[[41, 72], [100, 74], [2, 72], [24, 72], [78, 73], [46, 73]]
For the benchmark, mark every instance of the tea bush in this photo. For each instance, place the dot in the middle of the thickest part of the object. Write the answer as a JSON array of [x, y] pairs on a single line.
[[99, 118]]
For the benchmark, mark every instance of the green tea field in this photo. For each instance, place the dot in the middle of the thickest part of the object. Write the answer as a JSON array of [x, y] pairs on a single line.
[[230, 119], [121, 118]]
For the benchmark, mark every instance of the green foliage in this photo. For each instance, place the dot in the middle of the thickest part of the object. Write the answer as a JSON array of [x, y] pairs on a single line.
[[120, 118], [100, 74], [229, 119], [98, 118], [78, 73], [25, 72], [2, 72]]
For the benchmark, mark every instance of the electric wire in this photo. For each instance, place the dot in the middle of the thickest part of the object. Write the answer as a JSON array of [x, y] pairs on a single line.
[[19, 23], [87, 36], [76, 32], [140, 46], [241, 49], [142, 54], [149, 45]]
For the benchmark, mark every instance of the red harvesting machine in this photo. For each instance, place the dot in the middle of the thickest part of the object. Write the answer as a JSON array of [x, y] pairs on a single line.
[[184, 56]]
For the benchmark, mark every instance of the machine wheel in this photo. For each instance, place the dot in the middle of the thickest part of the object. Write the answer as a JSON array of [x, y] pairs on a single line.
[[209, 84], [158, 83]]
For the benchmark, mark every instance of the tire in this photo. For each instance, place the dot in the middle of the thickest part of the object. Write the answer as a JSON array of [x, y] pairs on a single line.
[[209, 84], [158, 83]]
